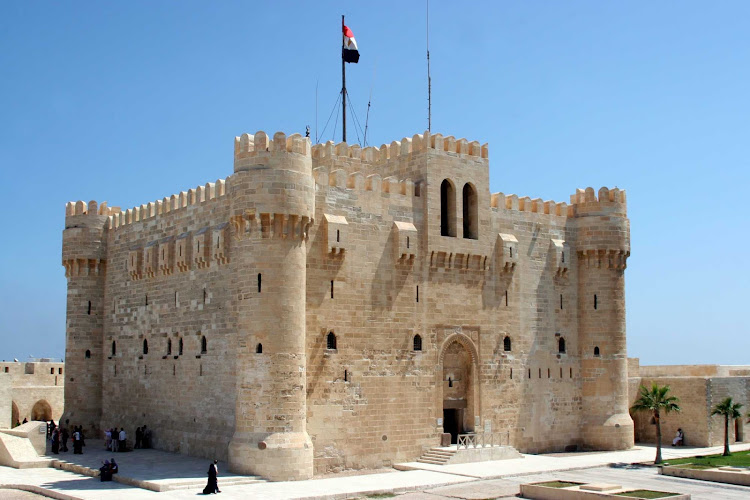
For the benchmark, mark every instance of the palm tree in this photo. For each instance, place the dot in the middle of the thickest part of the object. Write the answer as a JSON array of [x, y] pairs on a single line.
[[729, 409], [655, 400]]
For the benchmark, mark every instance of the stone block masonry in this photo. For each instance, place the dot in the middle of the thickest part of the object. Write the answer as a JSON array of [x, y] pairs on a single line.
[[330, 307]]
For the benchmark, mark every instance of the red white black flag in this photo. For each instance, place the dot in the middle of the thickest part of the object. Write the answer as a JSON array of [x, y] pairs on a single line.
[[349, 52]]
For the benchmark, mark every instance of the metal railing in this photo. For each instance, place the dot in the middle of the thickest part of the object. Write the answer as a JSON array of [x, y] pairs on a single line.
[[483, 440]]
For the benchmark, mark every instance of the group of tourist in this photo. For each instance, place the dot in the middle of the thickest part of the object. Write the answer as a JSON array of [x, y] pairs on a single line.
[[59, 435], [116, 440], [108, 468]]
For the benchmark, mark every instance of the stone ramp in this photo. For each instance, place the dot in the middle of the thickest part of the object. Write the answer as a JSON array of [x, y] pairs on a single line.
[[150, 469], [19, 453]]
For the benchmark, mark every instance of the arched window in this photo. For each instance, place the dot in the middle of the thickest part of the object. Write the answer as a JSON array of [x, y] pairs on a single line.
[[114, 348], [561, 345], [88, 354], [145, 346], [506, 344], [417, 343], [204, 345], [331, 341], [596, 351], [169, 347], [447, 209], [470, 209], [181, 346], [259, 349]]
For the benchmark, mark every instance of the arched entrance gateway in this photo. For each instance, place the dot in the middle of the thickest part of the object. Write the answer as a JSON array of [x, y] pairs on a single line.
[[460, 395], [41, 411]]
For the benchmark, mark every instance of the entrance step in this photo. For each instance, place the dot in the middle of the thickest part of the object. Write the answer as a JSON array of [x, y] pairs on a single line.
[[437, 456]]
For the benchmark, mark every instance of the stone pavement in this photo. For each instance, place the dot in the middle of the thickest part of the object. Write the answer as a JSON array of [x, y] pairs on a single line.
[[151, 469], [469, 481]]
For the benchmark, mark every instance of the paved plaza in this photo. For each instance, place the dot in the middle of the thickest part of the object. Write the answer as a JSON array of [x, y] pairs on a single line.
[[498, 479]]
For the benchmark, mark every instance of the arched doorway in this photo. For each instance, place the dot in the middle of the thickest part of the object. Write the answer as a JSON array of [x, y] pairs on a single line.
[[41, 411], [459, 383], [15, 415]]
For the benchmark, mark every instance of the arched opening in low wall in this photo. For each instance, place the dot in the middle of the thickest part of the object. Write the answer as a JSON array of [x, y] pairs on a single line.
[[15, 415], [41, 411]]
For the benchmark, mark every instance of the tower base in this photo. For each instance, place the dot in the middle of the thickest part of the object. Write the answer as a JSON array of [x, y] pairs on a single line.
[[615, 433], [283, 456]]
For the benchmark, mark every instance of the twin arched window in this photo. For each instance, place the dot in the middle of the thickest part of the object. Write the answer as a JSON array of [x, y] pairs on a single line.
[[471, 224], [448, 210]]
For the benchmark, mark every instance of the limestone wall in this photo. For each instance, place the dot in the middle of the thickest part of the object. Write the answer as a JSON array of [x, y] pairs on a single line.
[[6, 401], [494, 303], [36, 389], [374, 399], [167, 287], [698, 395]]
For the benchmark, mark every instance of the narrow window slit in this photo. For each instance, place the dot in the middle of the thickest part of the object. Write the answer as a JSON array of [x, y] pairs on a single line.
[[259, 282], [89, 309], [331, 288]]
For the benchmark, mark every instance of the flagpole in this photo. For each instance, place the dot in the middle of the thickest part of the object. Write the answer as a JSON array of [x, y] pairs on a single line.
[[429, 80], [343, 79]]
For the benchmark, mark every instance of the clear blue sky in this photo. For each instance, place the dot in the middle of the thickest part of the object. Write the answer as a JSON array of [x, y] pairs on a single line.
[[132, 101]]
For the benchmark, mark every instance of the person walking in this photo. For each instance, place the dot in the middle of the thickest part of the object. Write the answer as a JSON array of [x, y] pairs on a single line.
[[213, 479]]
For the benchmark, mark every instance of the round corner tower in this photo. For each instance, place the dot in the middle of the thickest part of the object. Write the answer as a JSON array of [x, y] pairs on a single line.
[[272, 206], [603, 246], [84, 254]]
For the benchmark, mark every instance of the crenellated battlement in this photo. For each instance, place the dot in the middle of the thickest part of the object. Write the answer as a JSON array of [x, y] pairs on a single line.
[[416, 144], [527, 204], [608, 201], [90, 208], [201, 194], [357, 181], [259, 145]]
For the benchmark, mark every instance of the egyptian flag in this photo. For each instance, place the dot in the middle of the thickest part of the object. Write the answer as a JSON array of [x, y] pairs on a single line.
[[349, 52]]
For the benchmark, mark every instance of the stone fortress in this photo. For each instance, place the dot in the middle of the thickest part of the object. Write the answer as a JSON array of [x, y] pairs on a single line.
[[331, 306]]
